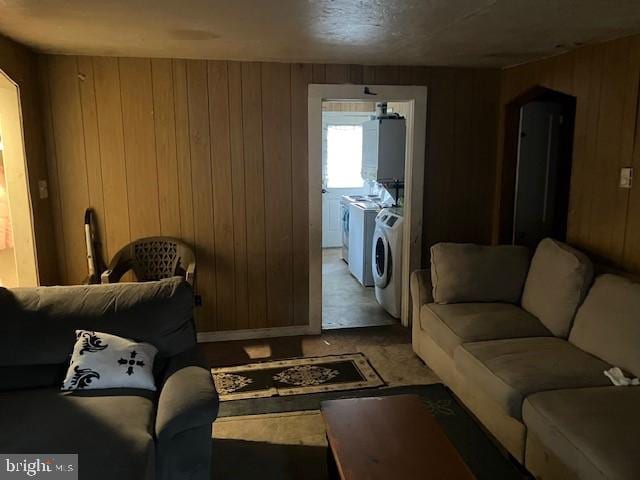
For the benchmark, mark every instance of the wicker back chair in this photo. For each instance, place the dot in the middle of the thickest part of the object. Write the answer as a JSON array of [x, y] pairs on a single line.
[[152, 258]]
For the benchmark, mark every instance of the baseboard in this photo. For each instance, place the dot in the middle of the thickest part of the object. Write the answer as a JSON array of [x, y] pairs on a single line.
[[255, 333]]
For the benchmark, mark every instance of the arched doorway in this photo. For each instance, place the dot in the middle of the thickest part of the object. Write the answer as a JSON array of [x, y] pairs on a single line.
[[536, 173]]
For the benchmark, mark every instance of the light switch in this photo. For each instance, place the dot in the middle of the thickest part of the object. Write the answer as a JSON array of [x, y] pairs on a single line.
[[626, 177], [43, 189]]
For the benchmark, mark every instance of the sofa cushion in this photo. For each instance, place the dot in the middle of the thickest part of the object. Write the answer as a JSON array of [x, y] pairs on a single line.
[[110, 430], [557, 283], [608, 323], [462, 272], [451, 325], [159, 313], [14, 377], [509, 370], [594, 431]]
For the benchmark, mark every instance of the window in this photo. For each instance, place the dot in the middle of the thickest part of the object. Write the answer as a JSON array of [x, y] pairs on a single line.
[[344, 156]]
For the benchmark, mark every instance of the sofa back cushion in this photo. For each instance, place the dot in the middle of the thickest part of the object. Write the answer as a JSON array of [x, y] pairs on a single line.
[[607, 325], [558, 280], [38, 324], [463, 272]]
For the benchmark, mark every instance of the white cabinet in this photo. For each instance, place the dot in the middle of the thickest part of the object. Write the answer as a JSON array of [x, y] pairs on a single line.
[[383, 146]]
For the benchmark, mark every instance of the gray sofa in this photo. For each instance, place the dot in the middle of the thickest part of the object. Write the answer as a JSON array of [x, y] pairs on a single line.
[[118, 433], [524, 345]]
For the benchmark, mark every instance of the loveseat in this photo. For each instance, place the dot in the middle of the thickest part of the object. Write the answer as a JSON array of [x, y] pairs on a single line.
[[117, 433], [524, 343]]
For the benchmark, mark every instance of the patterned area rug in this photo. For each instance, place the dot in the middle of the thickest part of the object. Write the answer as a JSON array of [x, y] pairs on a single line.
[[295, 377]]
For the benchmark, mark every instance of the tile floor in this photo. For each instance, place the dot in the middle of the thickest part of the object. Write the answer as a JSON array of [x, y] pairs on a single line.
[[345, 302]]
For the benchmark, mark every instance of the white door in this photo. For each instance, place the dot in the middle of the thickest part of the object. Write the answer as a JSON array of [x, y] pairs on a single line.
[[341, 168], [332, 217]]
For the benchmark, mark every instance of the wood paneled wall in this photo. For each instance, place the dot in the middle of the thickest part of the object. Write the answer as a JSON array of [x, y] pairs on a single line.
[[215, 152], [20, 64], [604, 219]]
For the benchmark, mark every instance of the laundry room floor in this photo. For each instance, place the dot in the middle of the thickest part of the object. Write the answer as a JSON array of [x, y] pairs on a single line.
[[346, 303]]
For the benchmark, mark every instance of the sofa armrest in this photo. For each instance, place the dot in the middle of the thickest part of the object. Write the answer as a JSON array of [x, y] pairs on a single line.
[[188, 398], [187, 406], [421, 291]]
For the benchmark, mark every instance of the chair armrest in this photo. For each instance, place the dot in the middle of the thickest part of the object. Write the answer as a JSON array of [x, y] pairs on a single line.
[[421, 291], [118, 266], [188, 398], [108, 277], [191, 274]]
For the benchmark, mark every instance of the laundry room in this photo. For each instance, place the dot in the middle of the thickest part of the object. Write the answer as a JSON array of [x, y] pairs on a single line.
[[363, 175]]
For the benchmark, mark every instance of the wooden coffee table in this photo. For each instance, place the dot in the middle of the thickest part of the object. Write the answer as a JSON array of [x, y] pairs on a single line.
[[389, 437]]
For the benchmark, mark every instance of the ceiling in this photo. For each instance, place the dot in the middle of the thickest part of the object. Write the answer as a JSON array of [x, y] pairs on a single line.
[[399, 32]]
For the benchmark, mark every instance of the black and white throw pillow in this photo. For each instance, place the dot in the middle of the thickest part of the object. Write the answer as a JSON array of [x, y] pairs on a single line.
[[101, 360]]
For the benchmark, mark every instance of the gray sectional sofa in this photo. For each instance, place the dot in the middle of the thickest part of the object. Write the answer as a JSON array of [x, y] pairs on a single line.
[[117, 433], [524, 344]]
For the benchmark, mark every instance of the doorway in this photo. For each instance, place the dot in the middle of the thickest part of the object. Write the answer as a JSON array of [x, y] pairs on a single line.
[[537, 170], [18, 266], [346, 196], [350, 204]]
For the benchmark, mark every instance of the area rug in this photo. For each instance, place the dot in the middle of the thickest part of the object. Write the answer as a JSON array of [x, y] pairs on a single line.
[[476, 448], [297, 376]]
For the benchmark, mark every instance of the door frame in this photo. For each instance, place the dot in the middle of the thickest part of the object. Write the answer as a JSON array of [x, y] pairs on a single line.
[[17, 178], [416, 98]]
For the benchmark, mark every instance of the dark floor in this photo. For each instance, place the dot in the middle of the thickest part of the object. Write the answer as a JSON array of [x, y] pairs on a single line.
[[345, 302], [331, 342], [292, 445]]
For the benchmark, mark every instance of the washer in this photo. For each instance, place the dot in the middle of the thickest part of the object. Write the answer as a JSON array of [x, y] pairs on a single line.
[[386, 260]]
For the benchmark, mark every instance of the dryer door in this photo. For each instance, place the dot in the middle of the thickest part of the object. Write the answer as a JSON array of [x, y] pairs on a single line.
[[381, 259]]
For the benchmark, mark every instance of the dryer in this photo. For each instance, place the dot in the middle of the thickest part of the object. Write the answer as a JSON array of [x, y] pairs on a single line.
[[386, 258], [362, 223], [345, 201]]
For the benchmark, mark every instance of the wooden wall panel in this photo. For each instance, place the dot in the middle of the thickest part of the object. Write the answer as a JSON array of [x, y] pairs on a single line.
[[440, 156], [200, 145], [183, 150], [609, 202], [139, 146], [236, 139], [337, 73], [587, 66], [631, 253], [222, 192], [92, 142], [52, 170], [276, 140], [486, 90], [301, 76], [216, 153], [348, 106], [68, 131], [166, 148], [255, 200], [603, 218], [319, 73]]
